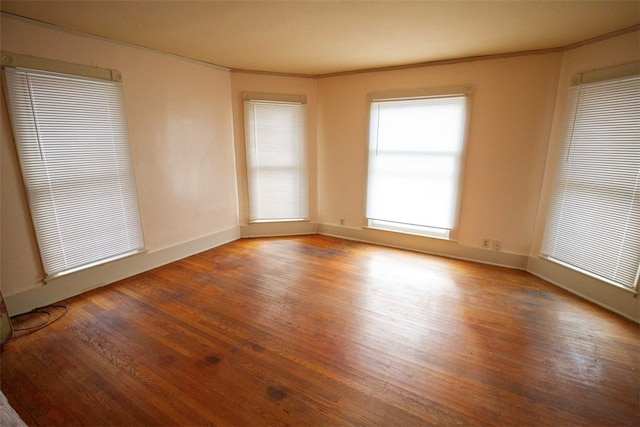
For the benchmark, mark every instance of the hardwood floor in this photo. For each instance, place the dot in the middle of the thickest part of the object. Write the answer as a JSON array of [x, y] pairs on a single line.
[[315, 331]]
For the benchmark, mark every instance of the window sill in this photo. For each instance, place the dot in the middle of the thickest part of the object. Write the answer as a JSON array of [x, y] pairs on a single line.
[[267, 221], [408, 233], [586, 273]]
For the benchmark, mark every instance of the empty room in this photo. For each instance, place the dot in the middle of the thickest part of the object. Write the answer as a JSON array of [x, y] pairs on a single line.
[[312, 213]]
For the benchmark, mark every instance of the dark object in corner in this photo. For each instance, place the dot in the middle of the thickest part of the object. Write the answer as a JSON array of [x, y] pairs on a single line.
[[5, 322]]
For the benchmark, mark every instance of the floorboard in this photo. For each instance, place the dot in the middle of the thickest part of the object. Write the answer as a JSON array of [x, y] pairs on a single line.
[[315, 330]]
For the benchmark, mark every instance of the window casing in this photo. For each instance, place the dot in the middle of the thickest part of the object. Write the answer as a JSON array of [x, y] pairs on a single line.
[[276, 145], [71, 138], [416, 151], [594, 217]]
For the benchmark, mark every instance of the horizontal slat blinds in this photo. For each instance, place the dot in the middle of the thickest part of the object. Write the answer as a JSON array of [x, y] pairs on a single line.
[[415, 154], [71, 139], [275, 134], [594, 220]]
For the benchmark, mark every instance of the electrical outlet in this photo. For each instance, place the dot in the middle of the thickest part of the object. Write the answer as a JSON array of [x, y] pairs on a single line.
[[497, 245], [486, 244]]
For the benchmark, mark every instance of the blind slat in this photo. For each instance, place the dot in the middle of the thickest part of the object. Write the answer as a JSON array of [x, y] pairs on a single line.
[[594, 219], [276, 143], [71, 139]]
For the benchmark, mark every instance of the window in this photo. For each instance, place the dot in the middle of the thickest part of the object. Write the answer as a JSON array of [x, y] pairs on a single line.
[[594, 218], [275, 134], [415, 160], [71, 140]]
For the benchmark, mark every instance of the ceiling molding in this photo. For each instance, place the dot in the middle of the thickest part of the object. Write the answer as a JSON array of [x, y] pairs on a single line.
[[592, 40]]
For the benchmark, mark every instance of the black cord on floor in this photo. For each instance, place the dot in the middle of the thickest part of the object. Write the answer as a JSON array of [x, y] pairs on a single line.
[[48, 311]]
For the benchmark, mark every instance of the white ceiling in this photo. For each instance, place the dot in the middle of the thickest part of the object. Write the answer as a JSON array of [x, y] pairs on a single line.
[[324, 37]]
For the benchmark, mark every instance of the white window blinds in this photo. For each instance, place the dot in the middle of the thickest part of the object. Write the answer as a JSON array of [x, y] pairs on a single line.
[[71, 139], [415, 157], [594, 219], [275, 134]]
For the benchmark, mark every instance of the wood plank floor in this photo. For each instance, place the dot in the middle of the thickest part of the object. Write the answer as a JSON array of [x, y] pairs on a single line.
[[315, 331]]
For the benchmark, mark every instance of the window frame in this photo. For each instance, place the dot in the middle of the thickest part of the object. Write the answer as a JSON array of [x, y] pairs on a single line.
[[563, 182], [119, 153], [400, 95], [300, 169]]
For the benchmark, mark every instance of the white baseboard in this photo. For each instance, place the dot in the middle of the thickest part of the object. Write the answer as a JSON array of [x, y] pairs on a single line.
[[431, 246], [612, 298], [82, 281]]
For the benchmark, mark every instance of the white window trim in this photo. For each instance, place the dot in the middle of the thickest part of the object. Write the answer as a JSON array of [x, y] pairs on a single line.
[[44, 64]]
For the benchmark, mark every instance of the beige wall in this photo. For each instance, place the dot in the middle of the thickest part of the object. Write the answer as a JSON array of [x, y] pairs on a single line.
[[511, 113], [187, 137], [181, 134]]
